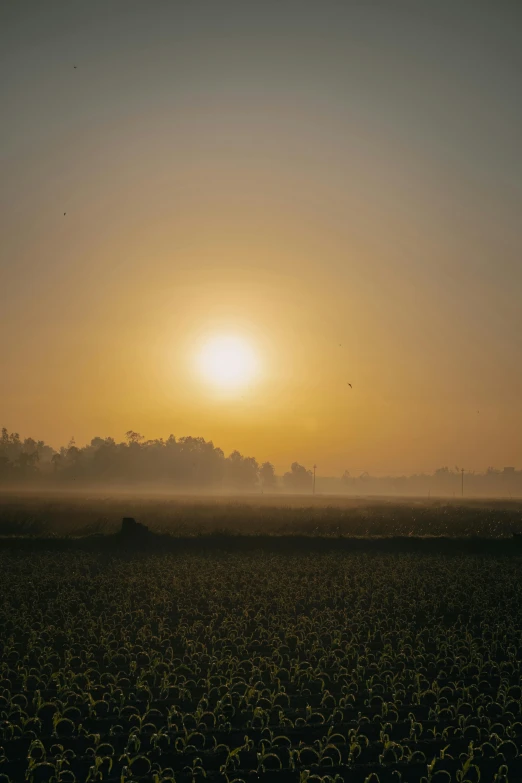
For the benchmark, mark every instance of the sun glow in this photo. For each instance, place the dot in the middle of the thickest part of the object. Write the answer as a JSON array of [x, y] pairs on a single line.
[[228, 362]]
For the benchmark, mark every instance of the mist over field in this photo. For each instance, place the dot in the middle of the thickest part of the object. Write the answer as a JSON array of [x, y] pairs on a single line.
[[84, 514]]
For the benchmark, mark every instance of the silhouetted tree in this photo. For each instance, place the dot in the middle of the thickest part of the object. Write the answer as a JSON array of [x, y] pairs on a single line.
[[133, 437], [241, 472], [267, 476], [298, 479]]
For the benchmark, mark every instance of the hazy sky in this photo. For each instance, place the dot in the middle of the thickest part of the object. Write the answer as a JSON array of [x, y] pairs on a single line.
[[338, 183]]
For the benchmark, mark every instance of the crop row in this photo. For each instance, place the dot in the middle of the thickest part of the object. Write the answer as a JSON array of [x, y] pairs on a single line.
[[273, 667]]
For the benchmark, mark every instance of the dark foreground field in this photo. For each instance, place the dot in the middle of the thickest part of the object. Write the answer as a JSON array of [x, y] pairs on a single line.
[[332, 639], [260, 666]]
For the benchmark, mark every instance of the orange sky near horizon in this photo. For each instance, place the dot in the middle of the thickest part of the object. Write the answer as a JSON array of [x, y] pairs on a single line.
[[315, 179]]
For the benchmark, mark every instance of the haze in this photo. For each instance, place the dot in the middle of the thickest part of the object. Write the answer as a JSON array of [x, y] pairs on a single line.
[[335, 184]]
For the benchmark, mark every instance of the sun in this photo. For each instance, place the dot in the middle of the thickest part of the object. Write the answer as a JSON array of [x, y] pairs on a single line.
[[228, 362]]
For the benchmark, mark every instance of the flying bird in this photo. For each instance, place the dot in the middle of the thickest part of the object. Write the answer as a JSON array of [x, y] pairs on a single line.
[[74, 66], [65, 213], [350, 385]]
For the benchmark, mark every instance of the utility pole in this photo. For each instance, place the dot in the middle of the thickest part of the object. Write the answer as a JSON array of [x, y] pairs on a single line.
[[313, 485], [462, 482]]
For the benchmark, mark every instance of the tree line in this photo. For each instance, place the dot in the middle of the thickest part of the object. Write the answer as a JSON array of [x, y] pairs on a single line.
[[194, 463], [186, 462]]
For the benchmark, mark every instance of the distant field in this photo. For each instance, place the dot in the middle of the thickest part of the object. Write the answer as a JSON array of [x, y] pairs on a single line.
[[73, 514]]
